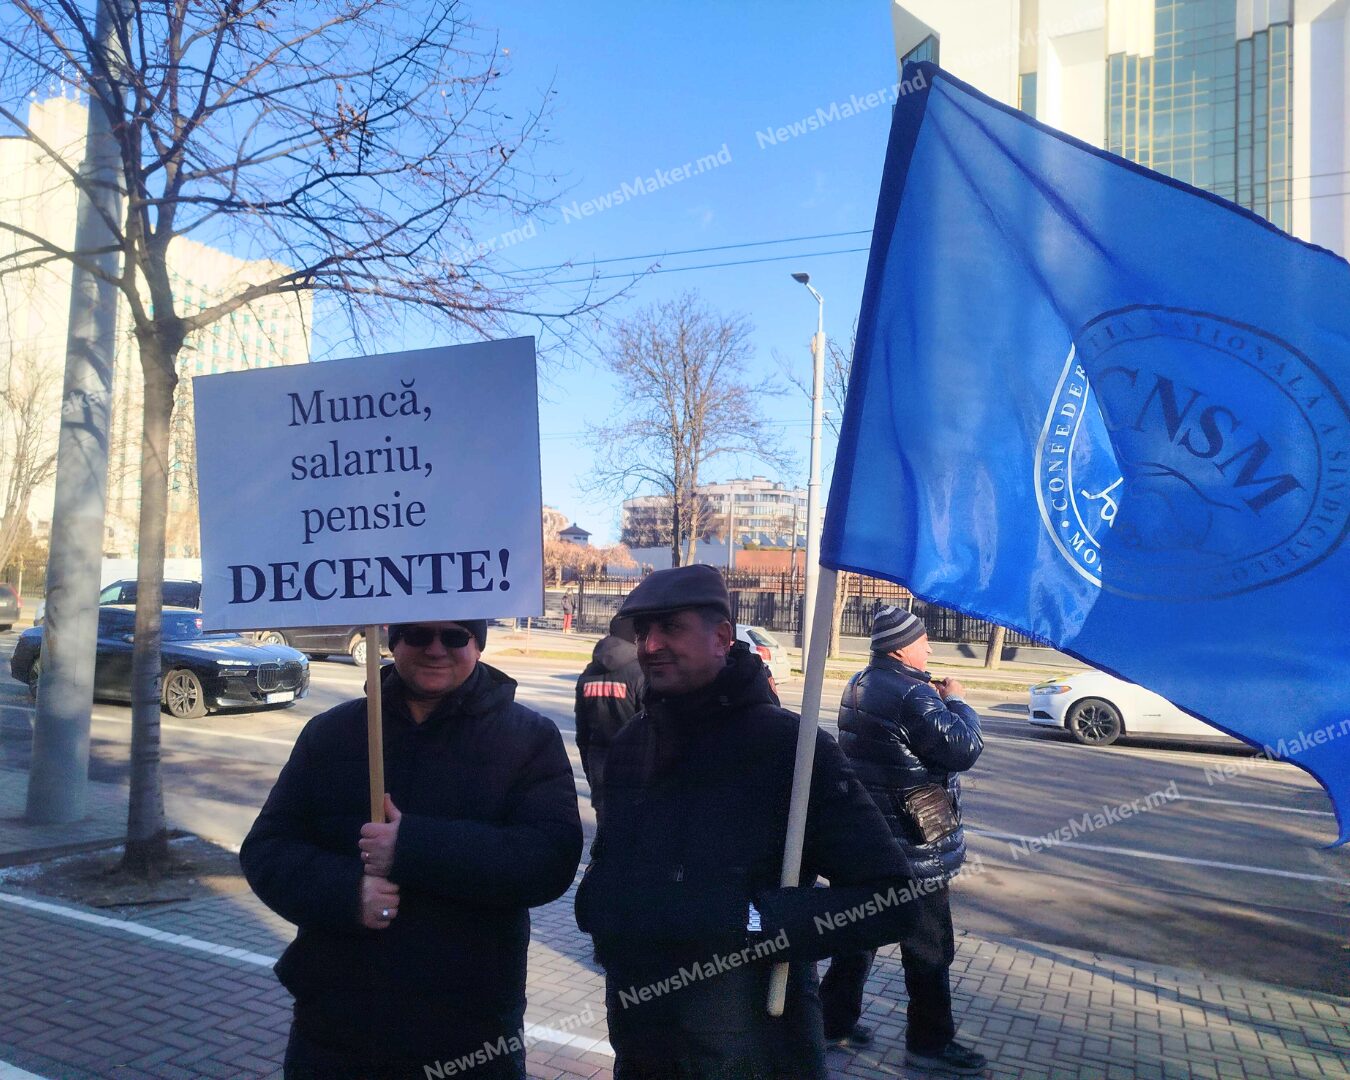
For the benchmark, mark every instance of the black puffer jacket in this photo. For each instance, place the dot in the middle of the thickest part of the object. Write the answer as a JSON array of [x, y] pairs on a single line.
[[899, 735], [609, 692], [489, 829], [697, 791]]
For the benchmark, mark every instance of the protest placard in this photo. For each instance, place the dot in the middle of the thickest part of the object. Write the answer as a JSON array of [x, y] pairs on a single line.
[[377, 489]]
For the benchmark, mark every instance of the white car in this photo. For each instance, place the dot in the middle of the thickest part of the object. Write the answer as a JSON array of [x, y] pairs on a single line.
[[763, 643], [1097, 709], [759, 640]]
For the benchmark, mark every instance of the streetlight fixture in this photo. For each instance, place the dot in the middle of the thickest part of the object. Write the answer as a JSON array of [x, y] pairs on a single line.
[[813, 481]]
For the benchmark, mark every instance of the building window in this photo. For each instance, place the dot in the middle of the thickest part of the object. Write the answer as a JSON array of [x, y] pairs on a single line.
[[1206, 108], [1026, 93], [927, 49]]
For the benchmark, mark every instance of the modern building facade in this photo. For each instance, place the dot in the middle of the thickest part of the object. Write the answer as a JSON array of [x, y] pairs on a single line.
[[1245, 98], [37, 194], [759, 511]]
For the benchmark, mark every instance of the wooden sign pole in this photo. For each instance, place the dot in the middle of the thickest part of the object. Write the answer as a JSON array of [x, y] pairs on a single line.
[[374, 725]]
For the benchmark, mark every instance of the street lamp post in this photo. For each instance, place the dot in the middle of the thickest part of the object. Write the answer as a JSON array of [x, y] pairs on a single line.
[[813, 481]]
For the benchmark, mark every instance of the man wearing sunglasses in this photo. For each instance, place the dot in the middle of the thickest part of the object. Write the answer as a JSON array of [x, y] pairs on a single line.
[[413, 933]]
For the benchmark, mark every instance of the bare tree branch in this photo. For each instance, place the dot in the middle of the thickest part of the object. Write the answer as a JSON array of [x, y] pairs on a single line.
[[29, 392], [686, 407], [352, 149]]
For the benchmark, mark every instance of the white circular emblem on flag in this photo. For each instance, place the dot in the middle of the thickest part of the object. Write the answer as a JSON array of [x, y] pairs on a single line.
[[1185, 456]]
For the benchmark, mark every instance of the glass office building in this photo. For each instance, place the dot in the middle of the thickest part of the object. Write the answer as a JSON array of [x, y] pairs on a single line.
[[1208, 107]]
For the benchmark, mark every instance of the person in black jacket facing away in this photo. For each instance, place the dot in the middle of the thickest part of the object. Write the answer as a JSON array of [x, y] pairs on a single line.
[[681, 896], [902, 730], [413, 933], [608, 693]]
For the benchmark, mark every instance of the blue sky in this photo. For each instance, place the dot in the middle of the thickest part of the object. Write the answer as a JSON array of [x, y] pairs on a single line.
[[648, 87]]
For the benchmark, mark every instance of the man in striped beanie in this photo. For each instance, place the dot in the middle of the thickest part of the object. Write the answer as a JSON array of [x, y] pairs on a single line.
[[894, 628], [907, 736]]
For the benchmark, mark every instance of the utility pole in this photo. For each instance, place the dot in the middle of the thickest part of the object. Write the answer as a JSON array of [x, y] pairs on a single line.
[[58, 776], [813, 480]]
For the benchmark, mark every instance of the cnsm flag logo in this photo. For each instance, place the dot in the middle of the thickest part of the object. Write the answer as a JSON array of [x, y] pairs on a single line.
[[1184, 455]]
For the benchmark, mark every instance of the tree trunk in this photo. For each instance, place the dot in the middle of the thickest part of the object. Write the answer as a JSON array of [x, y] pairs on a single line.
[[993, 654], [694, 524], [676, 520], [836, 624], [147, 849]]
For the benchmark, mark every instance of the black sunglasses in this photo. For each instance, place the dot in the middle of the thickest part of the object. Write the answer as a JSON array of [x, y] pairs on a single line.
[[419, 637]]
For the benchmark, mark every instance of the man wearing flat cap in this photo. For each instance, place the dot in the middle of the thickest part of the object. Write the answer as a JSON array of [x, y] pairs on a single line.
[[413, 933], [907, 737], [681, 896]]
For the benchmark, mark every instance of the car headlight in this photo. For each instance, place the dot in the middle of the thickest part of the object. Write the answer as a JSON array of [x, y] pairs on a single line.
[[1051, 688], [232, 663]]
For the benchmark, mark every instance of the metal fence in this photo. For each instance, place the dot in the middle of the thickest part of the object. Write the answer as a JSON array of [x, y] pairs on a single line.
[[774, 601]]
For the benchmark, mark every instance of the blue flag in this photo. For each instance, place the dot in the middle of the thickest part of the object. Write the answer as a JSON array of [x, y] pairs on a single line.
[[1109, 410]]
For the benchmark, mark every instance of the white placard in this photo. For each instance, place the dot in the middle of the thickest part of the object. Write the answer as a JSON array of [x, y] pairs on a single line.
[[378, 489]]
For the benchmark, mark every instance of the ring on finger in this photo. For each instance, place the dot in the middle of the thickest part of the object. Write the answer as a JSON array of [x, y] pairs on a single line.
[[384, 913]]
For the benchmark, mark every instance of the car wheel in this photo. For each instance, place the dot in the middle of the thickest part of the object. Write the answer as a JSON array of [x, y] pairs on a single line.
[[1094, 722], [271, 637], [34, 673], [357, 648], [183, 695]]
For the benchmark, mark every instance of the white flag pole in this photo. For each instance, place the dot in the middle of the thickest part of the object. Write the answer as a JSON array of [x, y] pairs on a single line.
[[822, 619]]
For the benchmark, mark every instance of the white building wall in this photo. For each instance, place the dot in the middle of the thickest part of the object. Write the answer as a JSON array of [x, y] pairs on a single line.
[[1071, 91], [1129, 27], [980, 41], [36, 192], [1322, 123]]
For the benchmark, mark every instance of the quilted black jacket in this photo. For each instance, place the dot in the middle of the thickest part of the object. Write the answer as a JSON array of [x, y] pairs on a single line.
[[899, 735]]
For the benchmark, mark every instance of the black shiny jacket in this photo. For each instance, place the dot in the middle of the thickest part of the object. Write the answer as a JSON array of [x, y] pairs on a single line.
[[898, 734]]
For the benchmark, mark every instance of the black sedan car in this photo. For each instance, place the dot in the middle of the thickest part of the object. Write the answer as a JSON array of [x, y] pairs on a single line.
[[200, 671], [320, 642], [176, 593], [10, 606]]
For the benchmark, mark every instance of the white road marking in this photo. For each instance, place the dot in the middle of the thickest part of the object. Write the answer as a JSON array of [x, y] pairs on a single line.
[[533, 1032], [13, 1072], [583, 1042], [1183, 755], [1135, 853], [126, 722], [137, 930], [1258, 806]]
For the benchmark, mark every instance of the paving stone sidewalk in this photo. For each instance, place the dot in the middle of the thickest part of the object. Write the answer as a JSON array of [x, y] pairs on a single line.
[[185, 992]]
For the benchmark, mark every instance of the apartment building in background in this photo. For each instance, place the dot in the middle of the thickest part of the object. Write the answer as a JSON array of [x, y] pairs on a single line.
[[36, 193], [1245, 98], [760, 511]]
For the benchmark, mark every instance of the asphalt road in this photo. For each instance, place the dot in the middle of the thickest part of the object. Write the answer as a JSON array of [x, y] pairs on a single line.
[[1223, 867]]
